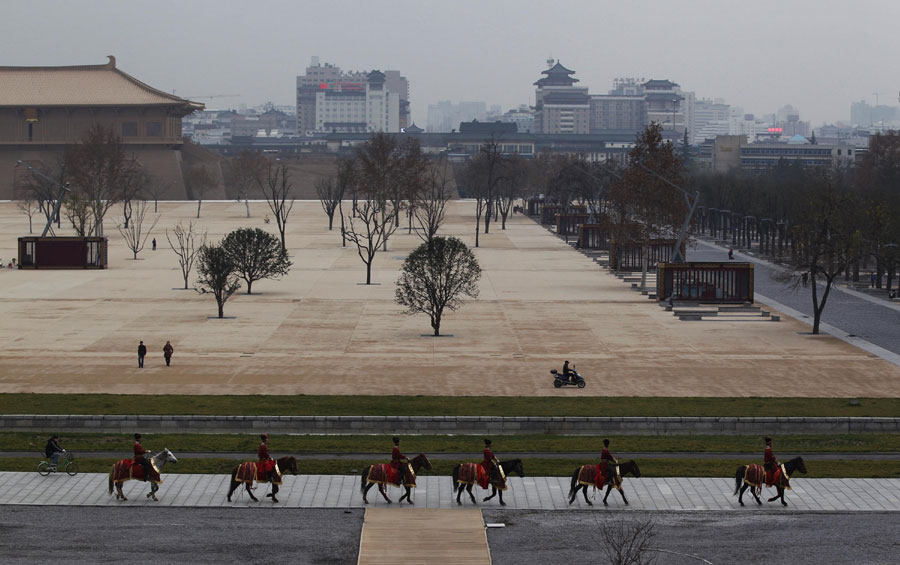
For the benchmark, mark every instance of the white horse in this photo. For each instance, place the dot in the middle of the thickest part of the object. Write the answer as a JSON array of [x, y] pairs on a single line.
[[121, 472]]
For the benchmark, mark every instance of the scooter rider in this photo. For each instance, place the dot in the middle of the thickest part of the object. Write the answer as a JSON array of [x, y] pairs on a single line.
[[568, 375]]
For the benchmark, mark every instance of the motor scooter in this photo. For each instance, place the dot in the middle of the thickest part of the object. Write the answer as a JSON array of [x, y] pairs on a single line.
[[559, 380]]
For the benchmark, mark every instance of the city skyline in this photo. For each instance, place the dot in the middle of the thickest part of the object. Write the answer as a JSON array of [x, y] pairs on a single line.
[[806, 53]]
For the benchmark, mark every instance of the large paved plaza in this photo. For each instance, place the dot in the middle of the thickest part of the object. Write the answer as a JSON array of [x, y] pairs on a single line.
[[320, 331]]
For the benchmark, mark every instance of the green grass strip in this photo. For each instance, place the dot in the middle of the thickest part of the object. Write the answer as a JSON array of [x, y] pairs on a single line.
[[533, 467], [412, 444], [275, 405]]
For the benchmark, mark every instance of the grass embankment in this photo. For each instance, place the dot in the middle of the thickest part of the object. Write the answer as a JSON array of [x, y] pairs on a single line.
[[302, 405], [533, 467], [379, 445]]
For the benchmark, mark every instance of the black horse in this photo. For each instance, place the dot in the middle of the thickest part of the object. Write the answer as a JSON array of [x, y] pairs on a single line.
[[795, 464], [417, 462], [612, 480], [498, 481], [285, 465]]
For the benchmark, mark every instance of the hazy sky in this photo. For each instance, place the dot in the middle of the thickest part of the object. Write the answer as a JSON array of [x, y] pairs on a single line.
[[819, 55]]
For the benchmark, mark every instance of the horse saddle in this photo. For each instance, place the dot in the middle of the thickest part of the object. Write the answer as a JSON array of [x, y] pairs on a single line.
[[754, 475], [127, 469], [259, 471], [471, 473]]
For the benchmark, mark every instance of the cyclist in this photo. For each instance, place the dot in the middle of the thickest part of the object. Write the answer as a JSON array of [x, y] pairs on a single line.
[[53, 451]]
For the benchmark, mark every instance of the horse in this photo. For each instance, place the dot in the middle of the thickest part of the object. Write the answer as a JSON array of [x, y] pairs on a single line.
[[497, 482], [752, 476], [377, 474], [584, 476], [126, 469], [249, 472]]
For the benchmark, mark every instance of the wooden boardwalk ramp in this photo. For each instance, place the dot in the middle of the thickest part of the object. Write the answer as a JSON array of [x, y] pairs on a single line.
[[424, 535]]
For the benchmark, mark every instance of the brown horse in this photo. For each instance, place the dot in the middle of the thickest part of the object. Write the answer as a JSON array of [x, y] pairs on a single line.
[[125, 470], [497, 482], [377, 475], [250, 472], [584, 476], [751, 476]]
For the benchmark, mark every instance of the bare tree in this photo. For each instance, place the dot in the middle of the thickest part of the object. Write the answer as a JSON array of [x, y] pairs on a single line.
[[134, 234], [186, 246], [132, 185], [96, 169], [199, 180], [43, 185], [217, 275], [827, 240], [78, 212], [347, 181], [277, 189], [436, 276], [379, 163], [246, 169], [629, 543], [154, 190], [370, 229], [330, 193], [27, 204], [429, 203], [515, 173]]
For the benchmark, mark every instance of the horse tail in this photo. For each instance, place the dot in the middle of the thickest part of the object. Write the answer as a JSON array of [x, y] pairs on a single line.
[[739, 479], [574, 480], [455, 476], [365, 475], [111, 485]]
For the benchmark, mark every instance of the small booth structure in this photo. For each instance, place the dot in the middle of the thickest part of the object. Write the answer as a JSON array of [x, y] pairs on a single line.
[[65, 252], [713, 283], [630, 255]]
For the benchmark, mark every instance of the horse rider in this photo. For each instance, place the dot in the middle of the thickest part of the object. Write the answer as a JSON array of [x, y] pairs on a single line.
[[606, 458], [770, 462], [263, 454], [489, 461], [139, 458], [53, 450], [398, 460]]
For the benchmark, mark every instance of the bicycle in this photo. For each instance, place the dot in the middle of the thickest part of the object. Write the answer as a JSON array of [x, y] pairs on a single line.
[[67, 462]]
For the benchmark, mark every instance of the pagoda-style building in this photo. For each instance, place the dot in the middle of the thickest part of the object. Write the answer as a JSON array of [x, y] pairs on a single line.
[[43, 109], [560, 106]]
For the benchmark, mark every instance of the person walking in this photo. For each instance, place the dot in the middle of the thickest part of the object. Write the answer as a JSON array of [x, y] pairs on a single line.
[[730, 253], [142, 352], [804, 278], [154, 244], [168, 350]]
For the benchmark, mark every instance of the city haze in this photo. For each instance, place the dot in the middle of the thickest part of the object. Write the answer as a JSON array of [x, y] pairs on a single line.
[[818, 55]]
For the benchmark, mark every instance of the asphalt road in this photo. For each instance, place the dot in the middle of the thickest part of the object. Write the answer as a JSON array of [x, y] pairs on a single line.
[[43, 534], [757, 536], [316, 536]]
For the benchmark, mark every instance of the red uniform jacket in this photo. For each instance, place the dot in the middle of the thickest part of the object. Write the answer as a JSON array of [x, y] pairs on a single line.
[[396, 457], [769, 457], [488, 463], [139, 451], [263, 452], [605, 459]]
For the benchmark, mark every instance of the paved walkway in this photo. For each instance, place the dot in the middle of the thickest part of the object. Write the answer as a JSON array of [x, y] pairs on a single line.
[[429, 536], [535, 493]]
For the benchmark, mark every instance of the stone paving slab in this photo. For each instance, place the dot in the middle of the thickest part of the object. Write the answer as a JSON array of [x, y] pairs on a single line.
[[533, 493], [430, 535]]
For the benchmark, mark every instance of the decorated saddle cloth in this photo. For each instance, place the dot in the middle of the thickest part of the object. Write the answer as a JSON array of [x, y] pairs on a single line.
[[471, 473], [385, 473], [754, 475], [778, 478], [127, 469], [258, 471]]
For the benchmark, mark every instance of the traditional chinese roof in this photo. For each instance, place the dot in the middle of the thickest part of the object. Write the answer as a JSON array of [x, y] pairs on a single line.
[[557, 75], [659, 85], [414, 129], [83, 85]]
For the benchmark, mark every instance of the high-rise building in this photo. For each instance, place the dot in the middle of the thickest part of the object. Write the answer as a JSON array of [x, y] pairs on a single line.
[[344, 92], [560, 106], [445, 116]]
